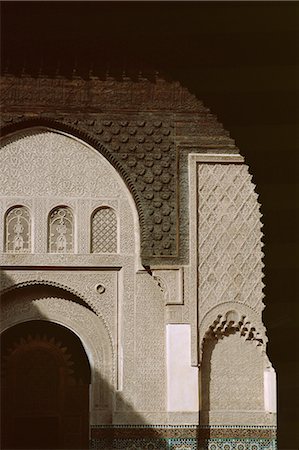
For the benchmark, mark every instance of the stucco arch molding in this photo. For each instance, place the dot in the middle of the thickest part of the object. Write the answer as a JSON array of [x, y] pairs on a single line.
[[84, 323], [231, 317], [55, 284]]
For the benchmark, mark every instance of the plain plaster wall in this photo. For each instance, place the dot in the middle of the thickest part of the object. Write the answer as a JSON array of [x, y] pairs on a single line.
[[182, 379]]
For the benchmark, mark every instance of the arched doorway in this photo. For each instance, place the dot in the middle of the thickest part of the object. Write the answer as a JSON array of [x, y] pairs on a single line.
[[45, 388]]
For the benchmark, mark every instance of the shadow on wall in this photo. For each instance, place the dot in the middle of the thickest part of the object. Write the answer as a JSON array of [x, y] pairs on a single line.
[[45, 387]]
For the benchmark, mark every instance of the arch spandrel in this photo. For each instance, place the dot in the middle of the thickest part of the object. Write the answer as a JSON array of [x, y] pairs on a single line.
[[35, 157]]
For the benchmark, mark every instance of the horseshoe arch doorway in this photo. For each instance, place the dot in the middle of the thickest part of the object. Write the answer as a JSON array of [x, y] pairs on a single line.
[[45, 388]]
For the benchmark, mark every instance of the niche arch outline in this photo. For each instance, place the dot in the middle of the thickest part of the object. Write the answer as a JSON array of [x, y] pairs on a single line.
[[7, 212], [94, 338]]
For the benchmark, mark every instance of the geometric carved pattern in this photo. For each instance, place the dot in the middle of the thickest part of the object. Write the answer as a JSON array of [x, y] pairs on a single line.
[[240, 444], [184, 444], [145, 149], [104, 231], [18, 230], [135, 120], [183, 437], [184, 431], [229, 237], [60, 239]]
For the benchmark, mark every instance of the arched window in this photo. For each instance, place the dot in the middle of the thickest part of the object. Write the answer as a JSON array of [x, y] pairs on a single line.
[[18, 230], [61, 230], [104, 231]]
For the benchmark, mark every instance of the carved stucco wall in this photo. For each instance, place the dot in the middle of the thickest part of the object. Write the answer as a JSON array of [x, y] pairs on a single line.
[[145, 128], [200, 232], [44, 169], [233, 369], [226, 280]]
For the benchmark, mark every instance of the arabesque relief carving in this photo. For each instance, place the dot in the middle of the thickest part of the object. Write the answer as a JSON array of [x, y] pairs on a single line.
[[125, 117], [163, 233]]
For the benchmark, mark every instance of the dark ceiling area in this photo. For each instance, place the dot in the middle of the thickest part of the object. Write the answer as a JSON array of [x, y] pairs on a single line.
[[241, 59]]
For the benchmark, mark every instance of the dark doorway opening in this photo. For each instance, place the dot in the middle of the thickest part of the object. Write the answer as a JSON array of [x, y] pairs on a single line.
[[44, 388]]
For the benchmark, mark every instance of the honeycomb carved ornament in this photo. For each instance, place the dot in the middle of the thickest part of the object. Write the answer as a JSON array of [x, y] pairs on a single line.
[[230, 323], [231, 318]]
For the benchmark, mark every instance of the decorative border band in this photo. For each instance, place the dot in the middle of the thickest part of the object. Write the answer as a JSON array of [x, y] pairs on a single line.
[[167, 437]]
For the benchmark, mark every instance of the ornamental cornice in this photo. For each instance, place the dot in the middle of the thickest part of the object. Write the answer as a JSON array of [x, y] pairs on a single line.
[[97, 94]]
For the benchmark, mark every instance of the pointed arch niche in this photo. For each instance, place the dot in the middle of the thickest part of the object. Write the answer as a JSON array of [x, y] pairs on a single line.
[[104, 231], [45, 387], [61, 230], [17, 230], [90, 329]]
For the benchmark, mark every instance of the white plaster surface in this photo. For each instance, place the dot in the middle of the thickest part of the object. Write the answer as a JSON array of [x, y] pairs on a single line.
[[182, 378], [270, 390]]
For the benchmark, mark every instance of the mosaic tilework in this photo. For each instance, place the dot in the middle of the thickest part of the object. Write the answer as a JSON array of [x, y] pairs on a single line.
[[240, 444], [183, 444], [163, 437]]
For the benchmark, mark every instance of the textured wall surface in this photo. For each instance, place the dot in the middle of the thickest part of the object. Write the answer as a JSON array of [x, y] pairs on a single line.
[[182, 203], [233, 369], [144, 127], [229, 237]]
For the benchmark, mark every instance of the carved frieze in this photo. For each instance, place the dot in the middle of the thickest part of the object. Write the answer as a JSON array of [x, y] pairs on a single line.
[[102, 95]]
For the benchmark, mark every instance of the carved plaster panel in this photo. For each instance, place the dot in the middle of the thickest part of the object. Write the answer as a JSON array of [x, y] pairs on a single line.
[[47, 164], [229, 238], [170, 283], [226, 239], [141, 122], [85, 181], [233, 372], [231, 317], [84, 284], [150, 342]]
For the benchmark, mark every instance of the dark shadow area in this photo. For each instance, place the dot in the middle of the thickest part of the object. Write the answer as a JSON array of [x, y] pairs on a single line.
[[45, 387]]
